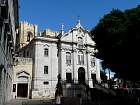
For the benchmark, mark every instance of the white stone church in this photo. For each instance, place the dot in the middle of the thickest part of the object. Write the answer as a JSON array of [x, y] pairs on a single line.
[[70, 54]]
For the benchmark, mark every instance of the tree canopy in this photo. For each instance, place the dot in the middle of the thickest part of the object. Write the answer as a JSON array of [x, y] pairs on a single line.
[[117, 38]]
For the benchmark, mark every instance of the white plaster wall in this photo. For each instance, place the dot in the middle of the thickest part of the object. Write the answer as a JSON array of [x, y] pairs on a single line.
[[41, 89]]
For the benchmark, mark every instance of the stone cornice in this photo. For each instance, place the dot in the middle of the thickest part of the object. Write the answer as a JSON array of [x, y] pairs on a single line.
[[65, 49], [75, 43], [46, 39]]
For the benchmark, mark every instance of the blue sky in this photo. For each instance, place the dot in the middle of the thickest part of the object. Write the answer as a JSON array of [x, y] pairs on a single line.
[[51, 13]]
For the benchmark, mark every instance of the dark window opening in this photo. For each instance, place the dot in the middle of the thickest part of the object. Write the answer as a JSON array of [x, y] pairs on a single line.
[[68, 78], [24, 54], [45, 82], [14, 87], [4, 10], [93, 76], [46, 51], [28, 38], [45, 69]]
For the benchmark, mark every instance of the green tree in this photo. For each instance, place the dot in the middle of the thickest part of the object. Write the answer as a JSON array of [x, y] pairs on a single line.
[[117, 38]]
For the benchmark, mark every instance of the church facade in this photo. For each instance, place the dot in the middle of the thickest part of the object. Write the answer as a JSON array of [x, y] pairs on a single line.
[[70, 54]]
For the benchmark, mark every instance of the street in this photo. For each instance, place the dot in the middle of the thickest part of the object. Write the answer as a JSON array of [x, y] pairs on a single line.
[[30, 102], [52, 102]]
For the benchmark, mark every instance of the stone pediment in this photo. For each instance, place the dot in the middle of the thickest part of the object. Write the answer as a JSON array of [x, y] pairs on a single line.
[[23, 74]]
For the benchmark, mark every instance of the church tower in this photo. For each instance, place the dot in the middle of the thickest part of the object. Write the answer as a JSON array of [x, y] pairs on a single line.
[[26, 33]]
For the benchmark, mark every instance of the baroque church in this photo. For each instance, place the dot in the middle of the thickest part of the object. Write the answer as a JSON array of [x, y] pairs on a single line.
[[41, 57]]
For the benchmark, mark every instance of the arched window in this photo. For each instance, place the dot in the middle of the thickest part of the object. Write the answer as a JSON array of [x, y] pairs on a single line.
[[68, 58], [80, 42], [80, 58], [29, 36], [92, 60]]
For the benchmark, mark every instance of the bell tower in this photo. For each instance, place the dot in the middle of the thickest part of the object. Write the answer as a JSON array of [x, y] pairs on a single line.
[[26, 33]]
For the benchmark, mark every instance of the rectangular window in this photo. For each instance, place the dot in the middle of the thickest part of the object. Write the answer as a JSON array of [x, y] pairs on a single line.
[[45, 69], [24, 54], [46, 52], [4, 11], [80, 42], [81, 59], [45, 82], [92, 59], [14, 87], [68, 78], [68, 58]]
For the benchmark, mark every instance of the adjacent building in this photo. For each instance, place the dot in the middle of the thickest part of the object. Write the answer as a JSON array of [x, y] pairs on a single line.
[[22, 74], [8, 31], [27, 33], [70, 54], [22, 78]]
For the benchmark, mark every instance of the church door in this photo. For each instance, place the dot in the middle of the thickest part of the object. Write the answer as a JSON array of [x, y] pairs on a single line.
[[81, 75]]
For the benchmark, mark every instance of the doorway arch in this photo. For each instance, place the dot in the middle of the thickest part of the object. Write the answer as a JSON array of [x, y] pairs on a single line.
[[81, 75]]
